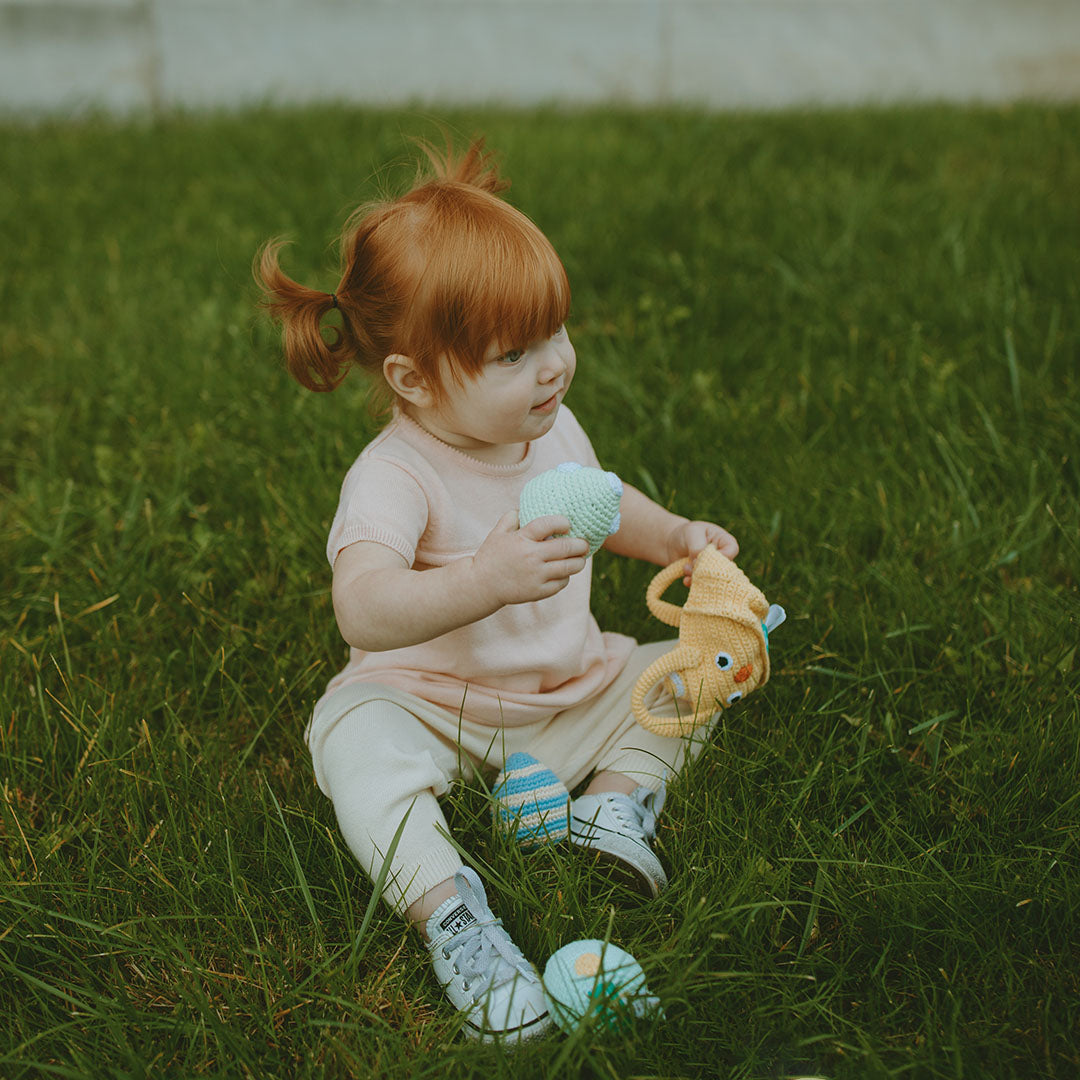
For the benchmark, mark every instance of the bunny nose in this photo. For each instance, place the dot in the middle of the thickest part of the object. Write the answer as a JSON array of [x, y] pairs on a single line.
[[743, 673]]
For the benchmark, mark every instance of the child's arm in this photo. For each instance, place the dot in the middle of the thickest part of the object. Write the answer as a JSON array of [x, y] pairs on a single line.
[[381, 603], [648, 531]]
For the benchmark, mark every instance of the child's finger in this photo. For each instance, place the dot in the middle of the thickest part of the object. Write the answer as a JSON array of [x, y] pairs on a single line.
[[725, 543], [507, 523], [566, 568], [561, 548], [542, 527]]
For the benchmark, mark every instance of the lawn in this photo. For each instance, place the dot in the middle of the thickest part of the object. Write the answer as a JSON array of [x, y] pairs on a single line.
[[851, 337]]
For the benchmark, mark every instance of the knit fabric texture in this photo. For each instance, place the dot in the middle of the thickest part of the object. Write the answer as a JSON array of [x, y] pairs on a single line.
[[588, 497], [532, 801], [723, 651]]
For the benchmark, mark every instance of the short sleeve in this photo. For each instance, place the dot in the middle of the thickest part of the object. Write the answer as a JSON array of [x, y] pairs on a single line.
[[383, 503]]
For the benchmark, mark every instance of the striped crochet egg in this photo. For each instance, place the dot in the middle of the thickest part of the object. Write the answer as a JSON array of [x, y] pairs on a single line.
[[588, 497], [531, 801]]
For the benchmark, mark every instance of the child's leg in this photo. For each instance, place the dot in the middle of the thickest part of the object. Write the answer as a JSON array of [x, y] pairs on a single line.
[[380, 763], [602, 739], [611, 781], [616, 816], [419, 911]]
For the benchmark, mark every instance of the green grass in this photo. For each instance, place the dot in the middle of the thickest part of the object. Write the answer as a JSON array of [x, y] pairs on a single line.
[[851, 337]]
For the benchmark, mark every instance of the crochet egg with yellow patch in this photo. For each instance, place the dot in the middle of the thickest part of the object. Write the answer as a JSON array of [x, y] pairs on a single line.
[[595, 981]]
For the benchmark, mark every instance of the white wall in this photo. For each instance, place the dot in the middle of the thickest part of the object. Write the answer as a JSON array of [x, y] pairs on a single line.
[[130, 55]]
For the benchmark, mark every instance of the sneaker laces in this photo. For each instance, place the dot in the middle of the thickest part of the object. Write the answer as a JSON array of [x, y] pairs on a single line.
[[487, 957], [637, 813]]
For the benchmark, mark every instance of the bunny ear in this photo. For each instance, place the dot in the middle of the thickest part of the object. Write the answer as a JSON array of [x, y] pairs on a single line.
[[665, 612], [758, 604], [669, 726]]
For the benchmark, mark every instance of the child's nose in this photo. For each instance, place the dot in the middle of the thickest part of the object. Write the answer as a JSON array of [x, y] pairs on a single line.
[[552, 362]]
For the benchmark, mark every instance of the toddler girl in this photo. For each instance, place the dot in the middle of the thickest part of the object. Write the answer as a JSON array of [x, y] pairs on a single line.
[[470, 638]]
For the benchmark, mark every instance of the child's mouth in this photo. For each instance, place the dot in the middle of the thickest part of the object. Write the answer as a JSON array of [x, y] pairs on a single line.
[[547, 406]]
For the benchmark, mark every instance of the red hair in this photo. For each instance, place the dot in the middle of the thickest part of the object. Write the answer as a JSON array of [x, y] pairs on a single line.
[[442, 272]]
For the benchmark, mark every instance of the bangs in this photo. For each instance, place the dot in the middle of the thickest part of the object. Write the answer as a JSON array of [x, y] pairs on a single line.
[[489, 276]]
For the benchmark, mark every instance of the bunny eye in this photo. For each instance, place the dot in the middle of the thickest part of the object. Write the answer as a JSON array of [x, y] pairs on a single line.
[[732, 698], [724, 661]]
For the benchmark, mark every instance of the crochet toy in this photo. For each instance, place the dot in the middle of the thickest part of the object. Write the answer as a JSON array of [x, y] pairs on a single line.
[[532, 801], [723, 650], [598, 980], [588, 497]]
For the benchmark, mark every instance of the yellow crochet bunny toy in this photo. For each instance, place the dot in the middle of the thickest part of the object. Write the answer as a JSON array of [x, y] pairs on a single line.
[[723, 650]]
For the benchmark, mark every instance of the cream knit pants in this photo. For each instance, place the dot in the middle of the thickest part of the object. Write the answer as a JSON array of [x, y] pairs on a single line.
[[378, 752]]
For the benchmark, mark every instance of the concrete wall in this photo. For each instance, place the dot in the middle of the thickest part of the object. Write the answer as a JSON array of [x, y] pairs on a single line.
[[60, 56]]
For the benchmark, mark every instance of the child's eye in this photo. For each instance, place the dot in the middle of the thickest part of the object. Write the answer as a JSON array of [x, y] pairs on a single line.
[[511, 357]]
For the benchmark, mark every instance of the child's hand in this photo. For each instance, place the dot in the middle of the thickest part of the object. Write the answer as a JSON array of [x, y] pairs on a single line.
[[688, 539], [520, 565]]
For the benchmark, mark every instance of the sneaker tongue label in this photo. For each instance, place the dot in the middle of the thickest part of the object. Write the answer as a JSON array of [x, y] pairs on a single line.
[[457, 920]]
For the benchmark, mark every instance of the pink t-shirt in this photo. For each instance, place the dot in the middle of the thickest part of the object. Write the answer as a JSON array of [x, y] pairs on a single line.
[[433, 504]]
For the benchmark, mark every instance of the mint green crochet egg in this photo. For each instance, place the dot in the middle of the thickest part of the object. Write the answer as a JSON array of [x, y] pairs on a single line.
[[588, 497], [597, 980]]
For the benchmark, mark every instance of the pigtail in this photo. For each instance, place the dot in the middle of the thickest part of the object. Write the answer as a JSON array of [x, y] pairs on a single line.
[[312, 360], [476, 167]]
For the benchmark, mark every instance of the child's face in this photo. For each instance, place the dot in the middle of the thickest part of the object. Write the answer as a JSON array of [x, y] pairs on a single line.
[[513, 400]]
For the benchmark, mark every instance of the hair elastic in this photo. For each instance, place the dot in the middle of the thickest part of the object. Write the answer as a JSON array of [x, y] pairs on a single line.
[[333, 300]]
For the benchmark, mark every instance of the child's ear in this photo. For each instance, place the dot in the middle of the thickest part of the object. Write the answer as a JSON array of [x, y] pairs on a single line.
[[406, 381]]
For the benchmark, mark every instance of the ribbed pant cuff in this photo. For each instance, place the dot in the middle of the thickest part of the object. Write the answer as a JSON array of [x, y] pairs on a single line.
[[641, 767], [409, 885]]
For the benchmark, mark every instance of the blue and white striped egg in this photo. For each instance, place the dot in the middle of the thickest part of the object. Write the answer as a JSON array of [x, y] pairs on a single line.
[[531, 801]]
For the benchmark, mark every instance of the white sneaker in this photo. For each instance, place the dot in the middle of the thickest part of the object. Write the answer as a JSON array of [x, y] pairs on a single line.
[[619, 829], [482, 971]]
